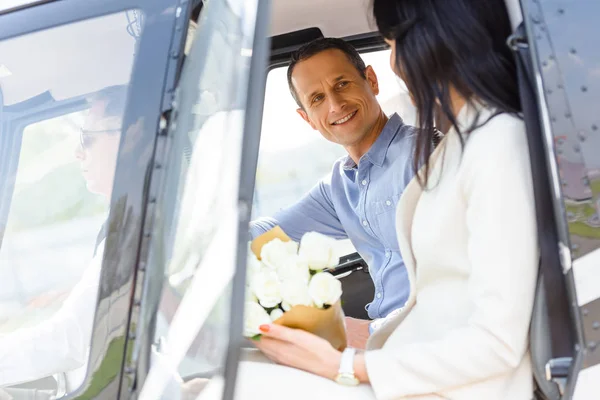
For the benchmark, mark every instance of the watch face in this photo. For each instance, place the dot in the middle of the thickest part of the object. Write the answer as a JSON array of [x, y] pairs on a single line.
[[347, 380]]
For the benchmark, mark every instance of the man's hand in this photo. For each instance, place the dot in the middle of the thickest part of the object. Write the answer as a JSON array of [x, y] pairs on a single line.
[[357, 331]]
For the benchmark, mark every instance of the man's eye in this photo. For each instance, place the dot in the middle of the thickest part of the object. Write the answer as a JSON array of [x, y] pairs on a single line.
[[317, 98], [342, 84]]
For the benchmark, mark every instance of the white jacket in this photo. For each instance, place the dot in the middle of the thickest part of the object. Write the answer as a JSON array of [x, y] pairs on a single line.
[[469, 243]]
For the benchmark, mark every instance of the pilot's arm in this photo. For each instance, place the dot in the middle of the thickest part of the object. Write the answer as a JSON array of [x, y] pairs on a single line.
[[313, 212], [59, 344]]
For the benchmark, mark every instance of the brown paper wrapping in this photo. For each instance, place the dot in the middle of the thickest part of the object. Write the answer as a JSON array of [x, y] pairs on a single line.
[[261, 240], [328, 324]]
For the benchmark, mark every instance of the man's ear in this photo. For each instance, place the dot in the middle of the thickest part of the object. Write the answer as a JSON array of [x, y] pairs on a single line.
[[304, 116], [372, 79]]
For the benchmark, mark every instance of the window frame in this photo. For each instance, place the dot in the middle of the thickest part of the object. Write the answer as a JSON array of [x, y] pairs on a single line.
[[150, 93]]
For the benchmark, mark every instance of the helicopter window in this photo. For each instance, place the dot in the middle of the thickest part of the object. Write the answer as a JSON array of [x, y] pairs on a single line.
[[60, 129]]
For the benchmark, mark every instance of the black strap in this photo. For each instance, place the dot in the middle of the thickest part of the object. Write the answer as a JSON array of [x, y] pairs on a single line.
[[559, 317]]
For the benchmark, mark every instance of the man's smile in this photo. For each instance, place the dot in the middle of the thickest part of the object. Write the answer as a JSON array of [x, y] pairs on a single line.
[[345, 119]]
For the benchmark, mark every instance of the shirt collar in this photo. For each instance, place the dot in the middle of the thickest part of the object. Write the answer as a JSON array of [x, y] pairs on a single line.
[[378, 151]]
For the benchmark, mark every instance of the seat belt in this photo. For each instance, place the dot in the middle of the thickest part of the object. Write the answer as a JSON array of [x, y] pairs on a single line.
[[559, 317]]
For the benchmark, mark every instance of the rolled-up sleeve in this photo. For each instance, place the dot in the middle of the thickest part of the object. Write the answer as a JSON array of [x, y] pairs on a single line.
[[502, 249], [313, 212]]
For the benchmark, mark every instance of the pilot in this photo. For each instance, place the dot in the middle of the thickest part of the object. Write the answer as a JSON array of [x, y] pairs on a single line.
[[61, 343]]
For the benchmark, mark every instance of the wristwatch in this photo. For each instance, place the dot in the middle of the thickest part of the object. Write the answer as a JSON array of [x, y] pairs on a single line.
[[345, 374]]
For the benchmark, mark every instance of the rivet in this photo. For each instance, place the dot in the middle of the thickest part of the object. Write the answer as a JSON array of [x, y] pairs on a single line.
[[560, 86], [592, 345], [561, 11], [538, 37], [545, 64], [175, 54], [584, 89], [129, 370], [596, 325], [542, 28], [576, 148], [549, 91], [551, 57], [582, 136], [594, 127], [585, 311], [567, 115], [553, 119], [573, 51], [157, 166]]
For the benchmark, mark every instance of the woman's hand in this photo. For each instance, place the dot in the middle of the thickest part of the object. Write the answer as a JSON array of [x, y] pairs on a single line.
[[299, 349]]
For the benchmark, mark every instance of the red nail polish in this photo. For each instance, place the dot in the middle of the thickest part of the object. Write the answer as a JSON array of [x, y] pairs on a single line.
[[264, 328]]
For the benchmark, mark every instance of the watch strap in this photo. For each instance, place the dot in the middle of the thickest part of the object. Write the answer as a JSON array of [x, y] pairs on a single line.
[[347, 361]]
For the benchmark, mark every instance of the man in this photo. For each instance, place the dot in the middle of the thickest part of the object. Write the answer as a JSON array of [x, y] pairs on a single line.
[[336, 95]]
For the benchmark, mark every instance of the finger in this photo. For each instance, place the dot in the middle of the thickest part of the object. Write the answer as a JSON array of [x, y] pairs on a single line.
[[279, 332]]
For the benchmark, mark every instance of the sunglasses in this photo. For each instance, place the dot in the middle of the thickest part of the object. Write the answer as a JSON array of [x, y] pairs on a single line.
[[88, 137]]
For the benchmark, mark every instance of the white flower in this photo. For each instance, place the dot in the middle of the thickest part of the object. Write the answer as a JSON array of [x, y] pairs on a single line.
[[250, 296], [295, 293], [266, 287], [275, 253], [253, 267], [324, 289], [318, 250], [294, 268], [286, 306], [275, 314], [254, 316]]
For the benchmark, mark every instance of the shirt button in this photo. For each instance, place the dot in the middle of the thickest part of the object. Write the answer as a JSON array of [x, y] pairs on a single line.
[[364, 222], [364, 182], [387, 202], [379, 295]]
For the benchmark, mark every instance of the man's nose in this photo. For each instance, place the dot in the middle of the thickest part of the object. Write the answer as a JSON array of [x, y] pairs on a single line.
[[336, 103]]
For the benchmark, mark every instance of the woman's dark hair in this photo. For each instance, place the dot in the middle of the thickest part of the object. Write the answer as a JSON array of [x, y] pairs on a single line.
[[449, 43]]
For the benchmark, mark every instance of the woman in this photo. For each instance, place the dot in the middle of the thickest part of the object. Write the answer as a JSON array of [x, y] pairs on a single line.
[[466, 227]]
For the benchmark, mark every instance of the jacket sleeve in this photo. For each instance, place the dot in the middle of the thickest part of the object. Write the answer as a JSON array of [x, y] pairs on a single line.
[[495, 179], [313, 212]]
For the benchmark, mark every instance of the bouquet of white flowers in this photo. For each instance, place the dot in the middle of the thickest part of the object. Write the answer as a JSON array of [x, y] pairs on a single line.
[[286, 284]]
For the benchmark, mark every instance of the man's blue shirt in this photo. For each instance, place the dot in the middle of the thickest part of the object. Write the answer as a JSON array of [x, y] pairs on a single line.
[[359, 203]]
